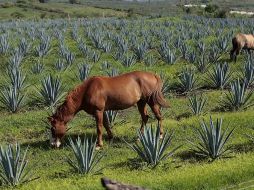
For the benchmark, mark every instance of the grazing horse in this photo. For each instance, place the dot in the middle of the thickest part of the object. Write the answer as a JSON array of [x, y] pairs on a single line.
[[239, 42], [98, 94]]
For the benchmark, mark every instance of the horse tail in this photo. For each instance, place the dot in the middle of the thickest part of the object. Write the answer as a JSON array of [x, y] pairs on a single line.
[[157, 96]]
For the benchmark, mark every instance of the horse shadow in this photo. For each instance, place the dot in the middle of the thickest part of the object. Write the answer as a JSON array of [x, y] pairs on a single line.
[[42, 144]]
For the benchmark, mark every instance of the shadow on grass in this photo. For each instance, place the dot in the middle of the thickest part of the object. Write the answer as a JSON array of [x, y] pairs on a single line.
[[131, 163], [190, 156], [41, 144], [183, 115], [244, 147]]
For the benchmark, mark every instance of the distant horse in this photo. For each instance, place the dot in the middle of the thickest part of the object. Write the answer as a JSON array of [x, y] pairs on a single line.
[[239, 42], [98, 94]]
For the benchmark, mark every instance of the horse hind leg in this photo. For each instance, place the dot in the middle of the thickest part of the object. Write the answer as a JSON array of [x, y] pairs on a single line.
[[156, 110], [143, 112], [107, 127], [237, 52], [99, 123]]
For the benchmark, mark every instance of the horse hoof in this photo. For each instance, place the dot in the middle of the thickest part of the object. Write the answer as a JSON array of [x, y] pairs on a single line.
[[161, 136]]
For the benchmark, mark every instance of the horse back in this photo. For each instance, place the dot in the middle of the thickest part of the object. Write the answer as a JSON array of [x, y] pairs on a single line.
[[120, 92]]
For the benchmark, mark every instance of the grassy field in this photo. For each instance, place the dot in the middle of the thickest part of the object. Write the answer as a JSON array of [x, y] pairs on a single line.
[[184, 170], [54, 10]]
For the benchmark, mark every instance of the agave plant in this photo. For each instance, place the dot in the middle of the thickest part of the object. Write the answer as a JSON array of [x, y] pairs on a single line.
[[165, 84], [44, 46], [202, 63], [83, 48], [192, 57], [4, 43], [105, 65], [51, 92], [69, 58], [220, 76], [59, 65], [128, 60], [184, 50], [211, 140], [151, 149], [187, 80], [149, 60], [140, 51], [106, 47], [24, 46], [196, 104], [17, 80], [170, 57], [248, 73], [95, 56], [15, 60], [11, 99], [222, 44], [113, 72], [37, 68], [238, 97], [13, 166], [111, 117], [86, 159], [84, 71]]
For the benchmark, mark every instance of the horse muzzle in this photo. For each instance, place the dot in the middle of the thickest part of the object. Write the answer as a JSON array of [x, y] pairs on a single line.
[[56, 144]]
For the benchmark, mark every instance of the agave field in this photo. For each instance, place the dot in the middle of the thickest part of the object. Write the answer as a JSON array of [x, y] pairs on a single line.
[[208, 143]]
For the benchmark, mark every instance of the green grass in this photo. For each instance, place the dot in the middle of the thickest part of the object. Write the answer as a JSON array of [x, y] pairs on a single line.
[[55, 10], [183, 171]]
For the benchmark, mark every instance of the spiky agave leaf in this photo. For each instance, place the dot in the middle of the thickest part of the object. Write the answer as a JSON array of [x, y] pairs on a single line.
[[11, 98], [248, 72], [84, 71], [86, 159], [220, 76], [13, 165], [37, 68], [51, 91], [211, 140], [187, 80], [196, 104], [111, 118], [151, 149], [238, 97]]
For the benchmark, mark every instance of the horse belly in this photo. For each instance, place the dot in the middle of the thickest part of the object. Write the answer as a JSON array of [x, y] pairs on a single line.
[[249, 42], [122, 101]]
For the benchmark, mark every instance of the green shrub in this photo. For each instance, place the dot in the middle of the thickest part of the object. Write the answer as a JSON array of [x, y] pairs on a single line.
[[211, 8]]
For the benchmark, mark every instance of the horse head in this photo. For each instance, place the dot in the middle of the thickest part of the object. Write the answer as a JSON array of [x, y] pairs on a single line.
[[58, 130]]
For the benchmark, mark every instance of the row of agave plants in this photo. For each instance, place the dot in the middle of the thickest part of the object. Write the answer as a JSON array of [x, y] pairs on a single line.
[[127, 41], [51, 92], [211, 143]]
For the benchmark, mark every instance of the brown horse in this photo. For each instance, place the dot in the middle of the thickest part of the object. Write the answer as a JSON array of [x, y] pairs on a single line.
[[239, 42], [98, 94]]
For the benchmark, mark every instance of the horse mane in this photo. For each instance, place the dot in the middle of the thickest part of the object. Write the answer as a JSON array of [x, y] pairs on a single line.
[[70, 104]]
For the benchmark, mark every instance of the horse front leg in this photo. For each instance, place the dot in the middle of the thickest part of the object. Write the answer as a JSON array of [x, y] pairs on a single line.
[[99, 123]]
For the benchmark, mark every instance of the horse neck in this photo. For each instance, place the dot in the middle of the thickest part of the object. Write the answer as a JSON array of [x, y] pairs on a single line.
[[66, 111]]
